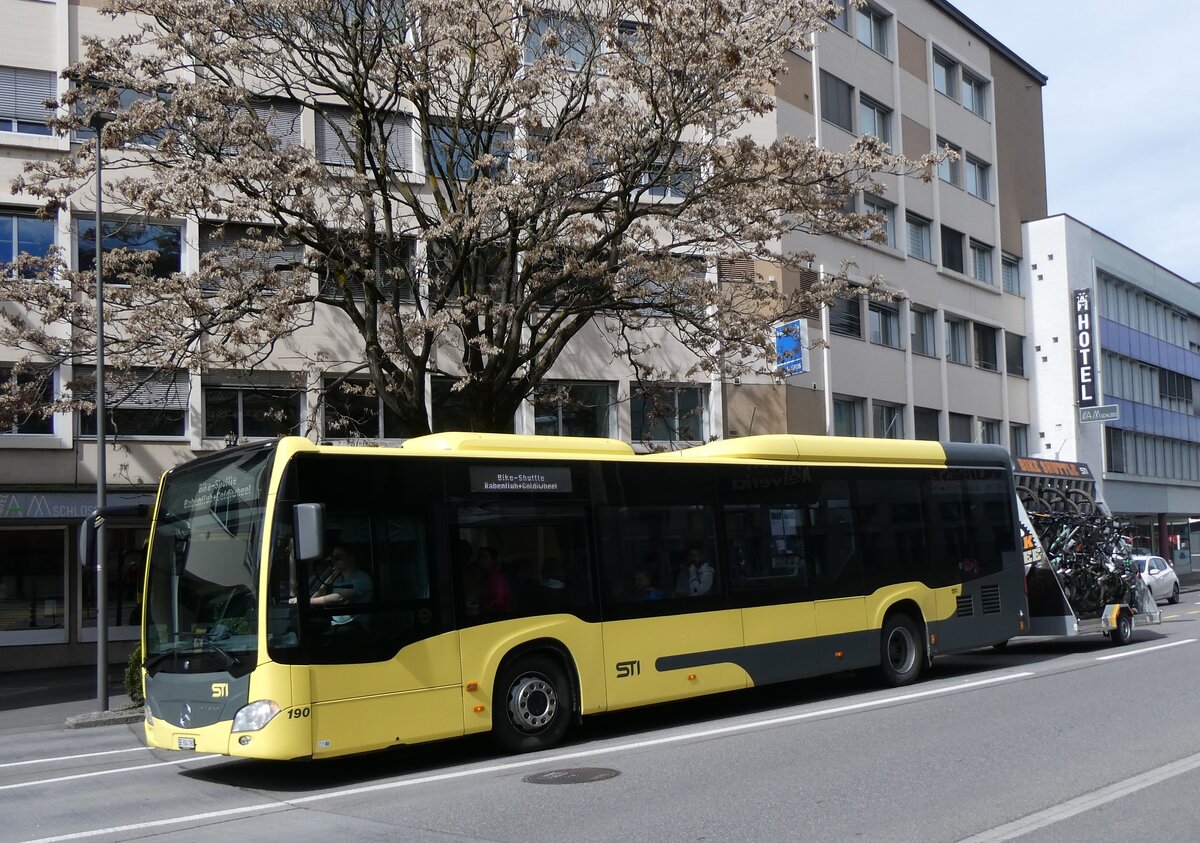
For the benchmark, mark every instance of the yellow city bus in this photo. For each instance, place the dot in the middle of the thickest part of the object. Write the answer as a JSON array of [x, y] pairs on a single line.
[[311, 601]]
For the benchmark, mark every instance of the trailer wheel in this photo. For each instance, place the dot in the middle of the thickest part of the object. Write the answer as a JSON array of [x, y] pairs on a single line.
[[901, 653], [1122, 633]]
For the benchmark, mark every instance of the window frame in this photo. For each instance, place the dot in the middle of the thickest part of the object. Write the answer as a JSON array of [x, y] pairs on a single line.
[[850, 322], [874, 205], [880, 118], [240, 413], [884, 325], [950, 72], [955, 330], [949, 171], [980, 265], [609, 388], [30, 87], [12, 251], [89, 222], [893, 428], [1010, 274], [987, 356], [44, 635], [976, 101], [925, 228], [927, 348], [638, 420], [856, 406], [953, 256], [979, 176], [1014, 351], [876, 28], [833, 88]]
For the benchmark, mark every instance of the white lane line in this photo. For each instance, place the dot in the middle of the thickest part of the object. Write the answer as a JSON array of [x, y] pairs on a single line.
[[1125, 653], [1080, 804], [74, 757], [270, 807], [108, 772]]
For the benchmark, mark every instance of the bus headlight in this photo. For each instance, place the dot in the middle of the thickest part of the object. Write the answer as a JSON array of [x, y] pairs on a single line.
[[253, 717], [149, 716]]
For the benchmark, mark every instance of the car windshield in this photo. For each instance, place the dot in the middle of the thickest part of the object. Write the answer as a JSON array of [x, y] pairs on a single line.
[[1141, 563], [204, 560]]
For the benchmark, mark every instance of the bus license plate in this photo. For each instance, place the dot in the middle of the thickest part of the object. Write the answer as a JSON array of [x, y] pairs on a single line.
[[187, 743]]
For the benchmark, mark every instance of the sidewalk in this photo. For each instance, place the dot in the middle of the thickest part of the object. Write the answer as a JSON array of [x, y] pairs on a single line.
[[46, 699]]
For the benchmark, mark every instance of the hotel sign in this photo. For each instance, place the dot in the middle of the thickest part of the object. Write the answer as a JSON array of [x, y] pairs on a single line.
[[1085, 358]]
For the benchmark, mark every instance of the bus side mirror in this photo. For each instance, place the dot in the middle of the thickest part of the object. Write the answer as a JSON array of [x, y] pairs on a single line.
[[309, 520]]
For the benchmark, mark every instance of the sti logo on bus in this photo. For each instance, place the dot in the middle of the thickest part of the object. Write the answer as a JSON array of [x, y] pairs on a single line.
[[220, 689], [627, 669]]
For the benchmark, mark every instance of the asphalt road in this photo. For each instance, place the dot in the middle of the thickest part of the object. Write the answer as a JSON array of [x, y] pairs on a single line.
[[1058, 740]]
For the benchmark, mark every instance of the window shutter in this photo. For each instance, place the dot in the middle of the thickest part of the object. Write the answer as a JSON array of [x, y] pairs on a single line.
[[147, 391], [282, 118], [330, 149], [31, 89], [740, 269], [399, 143], [8, 94]]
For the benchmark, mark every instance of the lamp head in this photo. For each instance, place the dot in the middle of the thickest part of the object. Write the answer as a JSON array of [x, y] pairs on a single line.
[[100, 119]]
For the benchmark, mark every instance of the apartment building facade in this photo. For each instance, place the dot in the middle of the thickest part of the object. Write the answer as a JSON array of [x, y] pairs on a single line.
[[1121, 334], [946, 360]]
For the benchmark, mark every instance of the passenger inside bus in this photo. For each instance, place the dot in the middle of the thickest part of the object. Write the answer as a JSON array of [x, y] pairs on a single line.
[[696, 578]]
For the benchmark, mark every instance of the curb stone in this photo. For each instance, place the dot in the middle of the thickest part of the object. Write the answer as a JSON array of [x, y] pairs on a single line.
[[106, 718]]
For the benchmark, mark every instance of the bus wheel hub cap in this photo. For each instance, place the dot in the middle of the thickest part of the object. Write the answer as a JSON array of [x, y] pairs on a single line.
[[531, 703]]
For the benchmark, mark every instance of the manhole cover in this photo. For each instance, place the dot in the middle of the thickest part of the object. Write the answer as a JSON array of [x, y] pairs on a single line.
[[579, 775]]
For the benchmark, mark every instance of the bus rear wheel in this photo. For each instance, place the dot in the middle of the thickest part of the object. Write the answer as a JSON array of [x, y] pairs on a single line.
[[532, 705], [901, 652]]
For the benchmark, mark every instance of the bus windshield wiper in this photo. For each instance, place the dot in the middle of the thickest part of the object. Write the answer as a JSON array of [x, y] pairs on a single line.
[[229, 660]]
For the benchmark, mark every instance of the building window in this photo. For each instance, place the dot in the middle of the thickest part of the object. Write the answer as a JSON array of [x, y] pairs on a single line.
[[956, 340], [336, 139], [24, 234], [36, 392], [989, 431], [560, 36], [674, 182], [137, 404], [1114, 449], [884, 324], [945, 75], [974, 94], [960, 428], [250, 412], [166, 241], [871, 27], [918, 237], [124, 573], [847, 416], [22, 96], [453, 154], [981, 262], [874, 205], [950, 171], [845, 316], [668, 414], [33, 574], [840, 20], [985, 348], [874, 119], [281, 120], [952, 249], [1010, 272], [837, 102], [572, 409], [921, 336], [887, 421], [352, 409], [925, 424], [1018, 440], [977, 178], [1014, 353]]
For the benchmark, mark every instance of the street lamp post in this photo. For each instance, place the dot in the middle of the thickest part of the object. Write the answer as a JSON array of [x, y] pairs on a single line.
[[99, 120]]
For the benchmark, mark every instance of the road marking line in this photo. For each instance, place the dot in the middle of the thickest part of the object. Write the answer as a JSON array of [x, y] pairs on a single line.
[[1145, 650], [1193, 612], [108, 772], [1087, 802], [1169, 617], [74, 757], [269, 807]]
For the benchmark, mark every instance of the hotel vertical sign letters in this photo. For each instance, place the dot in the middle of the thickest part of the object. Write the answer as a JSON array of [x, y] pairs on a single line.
[[1085, 358]]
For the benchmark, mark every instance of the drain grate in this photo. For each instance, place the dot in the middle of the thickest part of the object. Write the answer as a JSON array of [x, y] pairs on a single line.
[[577, 775]]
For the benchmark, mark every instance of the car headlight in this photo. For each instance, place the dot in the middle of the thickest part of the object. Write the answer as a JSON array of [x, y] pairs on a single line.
[[251, 718], [149, 716]]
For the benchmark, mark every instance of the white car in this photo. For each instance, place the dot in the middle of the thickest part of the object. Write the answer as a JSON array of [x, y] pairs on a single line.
[[1159, 577]]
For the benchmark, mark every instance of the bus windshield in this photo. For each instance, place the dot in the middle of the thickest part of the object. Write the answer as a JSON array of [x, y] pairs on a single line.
[[202, 584]]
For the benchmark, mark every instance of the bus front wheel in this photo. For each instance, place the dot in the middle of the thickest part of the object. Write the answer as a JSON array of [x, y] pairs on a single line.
[[902, 655], [532, 707]]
